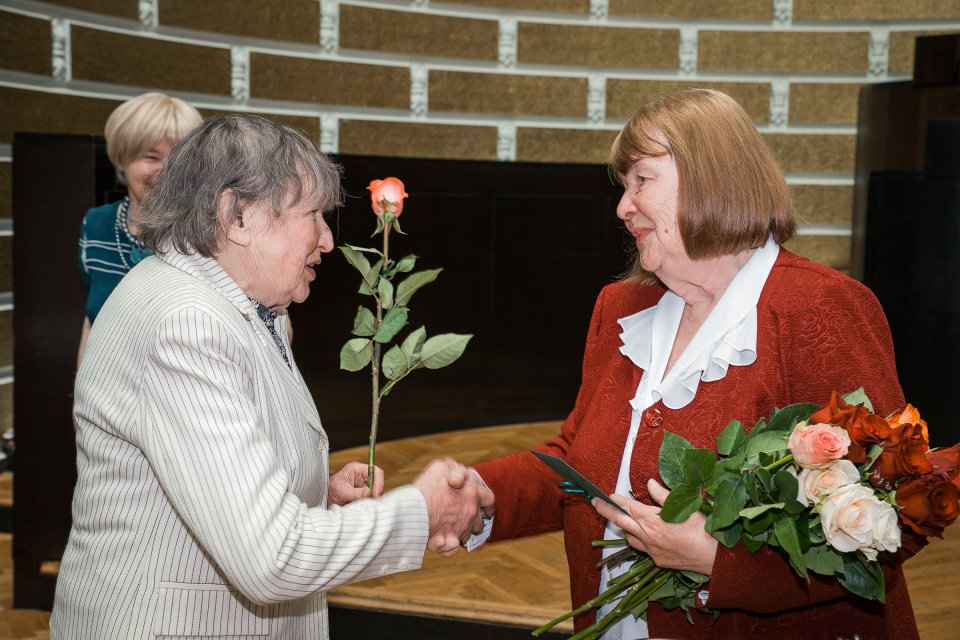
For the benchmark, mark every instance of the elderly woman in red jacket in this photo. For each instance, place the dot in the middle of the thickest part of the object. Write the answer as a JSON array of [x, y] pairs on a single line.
[[717, 321]]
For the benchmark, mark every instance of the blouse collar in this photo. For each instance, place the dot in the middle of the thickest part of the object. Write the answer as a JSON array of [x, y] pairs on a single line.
[[727, 337]]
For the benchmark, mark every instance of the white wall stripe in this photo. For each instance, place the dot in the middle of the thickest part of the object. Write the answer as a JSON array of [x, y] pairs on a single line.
[[688, 51], [878, 55], [149, 13], [62, 62], [507, 43]]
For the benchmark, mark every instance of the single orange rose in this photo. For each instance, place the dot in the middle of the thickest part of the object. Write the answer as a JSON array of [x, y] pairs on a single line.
[[928, 504], [906, 455], [909, 415], [863, 427], [387, 196]]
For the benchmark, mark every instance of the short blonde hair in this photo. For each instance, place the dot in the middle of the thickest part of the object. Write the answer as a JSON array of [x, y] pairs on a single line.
[[732, 194], [141, 123]]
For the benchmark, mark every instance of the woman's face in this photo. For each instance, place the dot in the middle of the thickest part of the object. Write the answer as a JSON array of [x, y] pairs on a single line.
[[142, 170], [649, 209], [285, 250]]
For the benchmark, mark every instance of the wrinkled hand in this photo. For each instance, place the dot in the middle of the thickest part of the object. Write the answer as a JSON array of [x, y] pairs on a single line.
[[682, 545], [455, 503], [350, 483]]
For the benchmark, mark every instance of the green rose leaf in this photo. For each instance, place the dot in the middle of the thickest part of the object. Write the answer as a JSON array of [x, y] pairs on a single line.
[[357, 259], [406, 263], [784, 420], [671, 459], [729, 499], [731, 439], [769, 442], [356, 354], [697, 466], [681, 503], [412, 283], [364, 250], [786, 532], [752, 512], [753, 542], [862, 577], [444, 349], [788, 487], [858, 397], [385, 292], [413, 344], [395, 320], [729, 536], [395, 363], [364, 323], [823, 559]]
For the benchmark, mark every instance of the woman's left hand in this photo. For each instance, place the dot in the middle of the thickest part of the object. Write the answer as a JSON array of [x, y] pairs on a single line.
[[350, 483], [683, 545]]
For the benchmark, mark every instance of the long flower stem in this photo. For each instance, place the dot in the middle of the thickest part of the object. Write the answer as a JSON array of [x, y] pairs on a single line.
[[603, 598], [637, 594], [375, 371], [779, 463]]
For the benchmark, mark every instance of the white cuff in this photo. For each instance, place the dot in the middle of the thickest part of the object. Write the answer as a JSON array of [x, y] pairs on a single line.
[[478, 539]]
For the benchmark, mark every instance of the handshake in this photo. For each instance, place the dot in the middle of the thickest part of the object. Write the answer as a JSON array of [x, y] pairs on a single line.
[[457, 501]]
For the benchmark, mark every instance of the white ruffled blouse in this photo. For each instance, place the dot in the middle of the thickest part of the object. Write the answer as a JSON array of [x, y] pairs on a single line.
[[728, 337]]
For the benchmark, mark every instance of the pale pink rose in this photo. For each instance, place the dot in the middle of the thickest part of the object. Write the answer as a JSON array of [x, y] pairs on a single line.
[[854, 519], [387, 196], [817, 445], [816, 484]]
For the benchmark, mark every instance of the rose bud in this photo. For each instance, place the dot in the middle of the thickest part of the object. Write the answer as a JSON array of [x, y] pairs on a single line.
[[387, 196], [928, 504]]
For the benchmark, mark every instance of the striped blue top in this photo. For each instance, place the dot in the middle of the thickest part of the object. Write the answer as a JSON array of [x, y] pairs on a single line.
[[107, 252]]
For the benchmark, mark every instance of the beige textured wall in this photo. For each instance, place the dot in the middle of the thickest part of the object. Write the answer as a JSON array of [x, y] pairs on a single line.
[[524, 80]]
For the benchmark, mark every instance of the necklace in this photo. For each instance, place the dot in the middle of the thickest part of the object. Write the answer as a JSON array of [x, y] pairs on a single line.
[[132, 240]]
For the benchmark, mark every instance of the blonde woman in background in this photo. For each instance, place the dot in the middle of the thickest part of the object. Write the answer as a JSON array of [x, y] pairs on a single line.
[[140, 133]]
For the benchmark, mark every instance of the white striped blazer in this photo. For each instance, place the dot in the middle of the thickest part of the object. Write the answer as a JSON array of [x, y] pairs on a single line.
[[200, 506]]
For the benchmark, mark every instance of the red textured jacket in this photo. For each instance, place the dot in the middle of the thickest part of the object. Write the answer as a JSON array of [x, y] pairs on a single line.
[[817, 331]]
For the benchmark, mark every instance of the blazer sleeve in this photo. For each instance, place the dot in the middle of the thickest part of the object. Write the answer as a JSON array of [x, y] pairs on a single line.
[[203, 438], [528, 498], [838, 341]]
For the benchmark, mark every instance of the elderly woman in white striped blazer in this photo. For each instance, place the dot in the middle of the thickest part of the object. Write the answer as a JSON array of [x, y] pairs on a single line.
[[204, 506]]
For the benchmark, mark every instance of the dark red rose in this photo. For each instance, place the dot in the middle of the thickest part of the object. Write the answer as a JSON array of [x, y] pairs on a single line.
[[904, 455], [946, 463], [928, 504]]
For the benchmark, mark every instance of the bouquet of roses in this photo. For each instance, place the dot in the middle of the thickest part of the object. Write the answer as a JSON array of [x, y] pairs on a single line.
[[830, 487]]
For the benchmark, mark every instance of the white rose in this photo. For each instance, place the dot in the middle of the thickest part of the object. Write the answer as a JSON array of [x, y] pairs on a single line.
[[855, 520], [816, 484]]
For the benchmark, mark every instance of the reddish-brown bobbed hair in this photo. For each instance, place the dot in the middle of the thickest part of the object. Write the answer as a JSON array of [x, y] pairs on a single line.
[[732, 194]]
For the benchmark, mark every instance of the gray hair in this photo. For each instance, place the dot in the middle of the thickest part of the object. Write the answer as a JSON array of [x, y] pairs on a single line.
[[256, 159]]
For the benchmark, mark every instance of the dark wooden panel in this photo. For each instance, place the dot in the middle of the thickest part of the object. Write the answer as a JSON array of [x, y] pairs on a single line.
[[49, 310], [913, 266]]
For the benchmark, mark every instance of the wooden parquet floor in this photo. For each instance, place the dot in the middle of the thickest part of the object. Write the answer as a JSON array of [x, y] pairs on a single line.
[[521, 582]]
